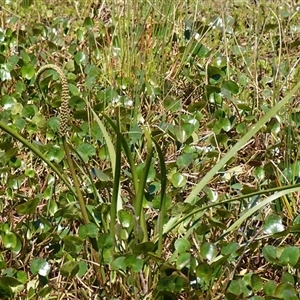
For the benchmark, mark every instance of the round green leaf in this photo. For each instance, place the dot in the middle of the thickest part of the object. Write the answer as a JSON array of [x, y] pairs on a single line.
[[143, 248], [73, 89], [184, 160], [29, 207], [126, 218], [231, 86], [183, 260], [204, 270], [55, 154], [17, 109], [230, 248], [72, 243], [288, 278], [269, 287], [225, 123], [182, 245], [105, 241], [83, 266], [85, 151], [27, 72], [119, 263], [53, 123], [39, 120], [9, 240], [69, 269], [208, 251], [30, 173], [285, 291], [269, 253], [178, 180], [22, 276], [135, 264], [290, 256], [81, 58], [259, 173], [40, 266], [256, 282], [239, 289], [273, 224], [86, 230]]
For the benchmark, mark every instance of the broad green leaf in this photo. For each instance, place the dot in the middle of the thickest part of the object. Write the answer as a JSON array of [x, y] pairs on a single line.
[[289, 256], [22, 276], [40, 266], [29, 207], [81, 58], [45, 291], [126, 218], [230, 248], [86, 151], [182, 245], [134, 263], [69, 269], [238, 288], [105, 241], [119, 263], [88, 230], [72, 243], [204, 270], [178, 180], [208, 251], [225, 123], [288, 278], [29, 111], [55, 154], [54, 123], [256, 282], [30, 173], [77, 102], [184, 160], [17, 109], [183, 260], [9, 240], [12, 62], [39, 120], [83, 267], [273, 224], [231, 86], [285, 291], [143, 248], [269, 253], [5, 289], [180, 134], [27, 72]]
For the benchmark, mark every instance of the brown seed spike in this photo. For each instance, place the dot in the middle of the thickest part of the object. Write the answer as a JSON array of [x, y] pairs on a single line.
[[64, 108]]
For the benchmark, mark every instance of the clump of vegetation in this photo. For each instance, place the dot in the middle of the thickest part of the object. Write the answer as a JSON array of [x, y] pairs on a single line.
[[149, 151]]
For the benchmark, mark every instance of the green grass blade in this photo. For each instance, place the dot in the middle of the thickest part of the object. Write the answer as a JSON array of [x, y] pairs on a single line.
[[240, 144], [39, 154], [258, 207], [128, 155], [138, 203], [111, 151]]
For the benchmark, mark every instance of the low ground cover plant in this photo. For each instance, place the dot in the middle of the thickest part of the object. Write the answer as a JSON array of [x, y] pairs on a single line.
[[149, 151]]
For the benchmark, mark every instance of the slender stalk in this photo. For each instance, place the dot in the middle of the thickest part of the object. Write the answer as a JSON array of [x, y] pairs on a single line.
[[162, 211], [76, 183]]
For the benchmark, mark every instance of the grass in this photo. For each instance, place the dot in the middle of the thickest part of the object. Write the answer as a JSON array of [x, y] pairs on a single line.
[[182, 143]]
